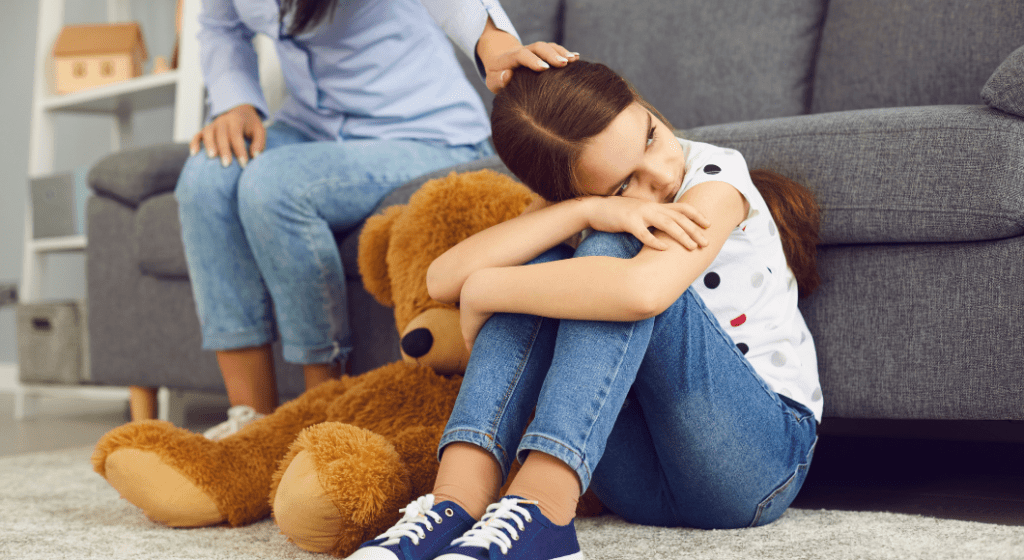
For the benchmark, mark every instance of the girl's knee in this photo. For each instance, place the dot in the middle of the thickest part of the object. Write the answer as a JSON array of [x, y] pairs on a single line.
[[603, 244], [556, 253]]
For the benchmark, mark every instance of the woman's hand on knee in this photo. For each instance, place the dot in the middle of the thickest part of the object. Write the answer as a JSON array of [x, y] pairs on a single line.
[[227, 134]]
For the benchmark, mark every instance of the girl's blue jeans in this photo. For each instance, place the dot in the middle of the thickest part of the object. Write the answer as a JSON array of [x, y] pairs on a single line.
[[260, 242], [663, 418]]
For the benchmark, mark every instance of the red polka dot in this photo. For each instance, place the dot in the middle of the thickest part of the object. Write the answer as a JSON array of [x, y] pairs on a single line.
[[739, 320]]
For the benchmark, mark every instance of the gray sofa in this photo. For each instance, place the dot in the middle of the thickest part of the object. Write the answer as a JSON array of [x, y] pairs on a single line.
[[877, 105]]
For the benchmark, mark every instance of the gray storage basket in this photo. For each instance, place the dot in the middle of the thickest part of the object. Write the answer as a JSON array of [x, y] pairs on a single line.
[[52, 345]]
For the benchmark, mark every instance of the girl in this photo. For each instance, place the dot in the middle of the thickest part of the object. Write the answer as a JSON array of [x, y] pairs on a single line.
[[670, 368]]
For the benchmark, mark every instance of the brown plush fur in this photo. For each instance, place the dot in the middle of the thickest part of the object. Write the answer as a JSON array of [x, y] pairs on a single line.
[[371, 439]]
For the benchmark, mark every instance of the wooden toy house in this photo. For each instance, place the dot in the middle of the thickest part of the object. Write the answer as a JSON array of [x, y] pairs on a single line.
[[86, 56]]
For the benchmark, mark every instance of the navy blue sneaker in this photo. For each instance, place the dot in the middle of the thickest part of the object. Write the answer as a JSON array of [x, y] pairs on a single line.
[[420, 534], [515, 529]]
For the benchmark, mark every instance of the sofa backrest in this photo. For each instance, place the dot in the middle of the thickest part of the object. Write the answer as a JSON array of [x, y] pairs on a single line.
[[899, 53], [703, 62]]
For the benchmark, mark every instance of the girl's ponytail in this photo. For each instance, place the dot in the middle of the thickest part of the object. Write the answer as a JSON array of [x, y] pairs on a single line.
[[797, 216]]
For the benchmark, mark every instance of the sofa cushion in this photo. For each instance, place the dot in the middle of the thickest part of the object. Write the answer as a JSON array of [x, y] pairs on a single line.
[[922, 174], [920, 330], [1005, 89], [704, 62], [898, 53], [132, 176], [158, 246]]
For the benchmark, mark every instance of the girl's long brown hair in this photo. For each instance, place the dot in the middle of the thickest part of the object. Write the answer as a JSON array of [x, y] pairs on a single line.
[[541, 121]]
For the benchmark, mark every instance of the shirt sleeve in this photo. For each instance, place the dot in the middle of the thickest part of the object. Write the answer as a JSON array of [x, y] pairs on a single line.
[[228, 59], [464, 20], [711, 163]]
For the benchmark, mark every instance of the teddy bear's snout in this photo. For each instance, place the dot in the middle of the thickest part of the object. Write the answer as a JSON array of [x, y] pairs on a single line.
[[417, 342]]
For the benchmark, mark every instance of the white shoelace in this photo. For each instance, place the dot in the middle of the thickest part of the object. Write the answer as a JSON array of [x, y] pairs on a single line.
[[417, 515], [239, 416], [495, 527]]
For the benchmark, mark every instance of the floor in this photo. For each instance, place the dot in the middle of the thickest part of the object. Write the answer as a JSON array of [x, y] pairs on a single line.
[[915, 469]]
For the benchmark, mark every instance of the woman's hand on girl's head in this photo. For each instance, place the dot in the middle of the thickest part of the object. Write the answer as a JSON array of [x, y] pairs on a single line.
[[501, 53], [679, 220], [226, 136], [537, 56]]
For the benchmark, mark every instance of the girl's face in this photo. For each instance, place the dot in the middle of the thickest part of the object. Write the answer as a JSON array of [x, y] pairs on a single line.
[[636, 156]]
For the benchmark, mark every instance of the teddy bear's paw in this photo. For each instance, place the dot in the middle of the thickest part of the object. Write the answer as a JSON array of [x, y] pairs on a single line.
[[338, 487], [162, 493]]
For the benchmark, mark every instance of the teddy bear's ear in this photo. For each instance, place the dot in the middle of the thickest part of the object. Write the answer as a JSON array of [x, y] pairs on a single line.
[[373, 251]]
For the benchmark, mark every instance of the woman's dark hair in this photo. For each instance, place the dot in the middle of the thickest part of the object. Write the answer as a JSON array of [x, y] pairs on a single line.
[[307, 13], [541, 121]]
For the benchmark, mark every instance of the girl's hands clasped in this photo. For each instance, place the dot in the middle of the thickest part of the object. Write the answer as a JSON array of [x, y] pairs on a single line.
[[226, 136], [679, 220]]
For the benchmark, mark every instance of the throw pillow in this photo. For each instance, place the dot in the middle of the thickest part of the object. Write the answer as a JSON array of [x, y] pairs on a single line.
[[1005, 89]]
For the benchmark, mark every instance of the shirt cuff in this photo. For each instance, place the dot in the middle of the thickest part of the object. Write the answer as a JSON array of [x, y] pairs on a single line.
[[464, 22], [501, 21], [233, 89]]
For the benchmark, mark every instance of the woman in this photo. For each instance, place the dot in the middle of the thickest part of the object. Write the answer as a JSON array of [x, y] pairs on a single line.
[[376, 98], [669, 370]]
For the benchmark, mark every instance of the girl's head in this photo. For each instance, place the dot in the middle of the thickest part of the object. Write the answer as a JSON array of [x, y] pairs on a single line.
[[544, 122], [583, 130]]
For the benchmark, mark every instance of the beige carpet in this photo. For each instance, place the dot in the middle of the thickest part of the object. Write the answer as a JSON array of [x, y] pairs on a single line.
[[52, 506]]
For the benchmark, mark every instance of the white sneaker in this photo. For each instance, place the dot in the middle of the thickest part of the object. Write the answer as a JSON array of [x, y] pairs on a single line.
[[239, 417]]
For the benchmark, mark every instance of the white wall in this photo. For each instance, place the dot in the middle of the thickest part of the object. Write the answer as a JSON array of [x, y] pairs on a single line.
[[81, 140]]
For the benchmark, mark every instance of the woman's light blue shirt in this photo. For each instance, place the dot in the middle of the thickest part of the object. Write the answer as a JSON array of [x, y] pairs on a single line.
[[379, 69]]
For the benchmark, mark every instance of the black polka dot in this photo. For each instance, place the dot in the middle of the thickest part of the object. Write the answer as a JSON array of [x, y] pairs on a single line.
[[712, 280], [743, 348], [712, 169]]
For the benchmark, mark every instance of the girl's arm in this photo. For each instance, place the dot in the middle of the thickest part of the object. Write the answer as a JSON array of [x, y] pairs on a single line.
[[512, 242], [521, 239], [605, 288]]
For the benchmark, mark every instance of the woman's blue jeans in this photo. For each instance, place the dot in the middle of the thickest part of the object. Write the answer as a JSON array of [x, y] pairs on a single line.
[[663, 418], [260, 242]]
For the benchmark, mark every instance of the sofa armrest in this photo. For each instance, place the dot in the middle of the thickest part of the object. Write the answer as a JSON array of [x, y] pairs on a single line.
[[945, 173], [131, 176]]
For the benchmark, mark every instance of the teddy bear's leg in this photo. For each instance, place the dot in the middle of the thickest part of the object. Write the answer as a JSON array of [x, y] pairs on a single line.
[[338, 487], [181, 479], [417, 446]]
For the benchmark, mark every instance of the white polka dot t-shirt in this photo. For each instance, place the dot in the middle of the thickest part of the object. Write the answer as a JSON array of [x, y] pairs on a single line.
[[749, 287]]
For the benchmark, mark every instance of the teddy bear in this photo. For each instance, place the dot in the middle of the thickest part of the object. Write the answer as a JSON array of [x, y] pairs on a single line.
[[334, 465]]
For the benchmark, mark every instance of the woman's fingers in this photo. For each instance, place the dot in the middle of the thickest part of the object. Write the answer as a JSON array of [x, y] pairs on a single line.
[[223, 141], [237, 140], [548, 54], [209, 141], [259, 138], [196, 144], [537, 56]]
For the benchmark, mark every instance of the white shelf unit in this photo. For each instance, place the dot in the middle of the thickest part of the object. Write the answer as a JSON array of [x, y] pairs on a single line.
[[181, 88]]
